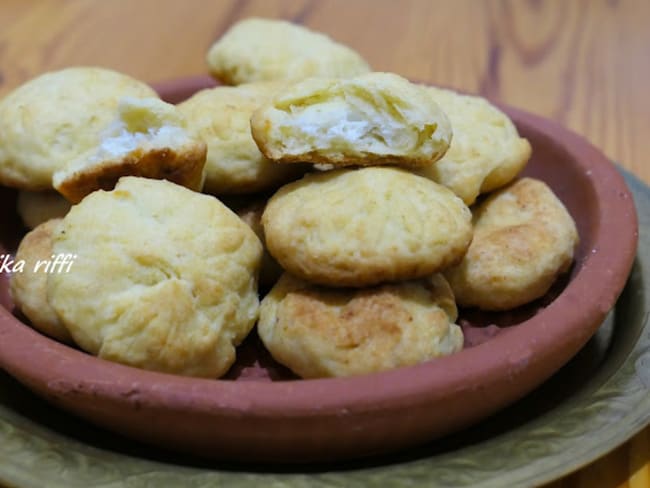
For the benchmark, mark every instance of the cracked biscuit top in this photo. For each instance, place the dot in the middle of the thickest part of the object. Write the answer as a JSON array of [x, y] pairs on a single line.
[[165, 278], [366, 226]]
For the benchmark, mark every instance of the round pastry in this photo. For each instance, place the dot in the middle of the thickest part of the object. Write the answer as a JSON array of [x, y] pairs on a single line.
[[148, 138], [221, 117], [264, 49], [29, 287], [165, 278], [366, 226], [486, 151], [372, 119], [54, 118], [523, 239], [270, 271], [322, 332], [35, 208]]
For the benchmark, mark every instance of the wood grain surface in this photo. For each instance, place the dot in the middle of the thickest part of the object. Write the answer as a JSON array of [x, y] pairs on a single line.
[[583, 63]]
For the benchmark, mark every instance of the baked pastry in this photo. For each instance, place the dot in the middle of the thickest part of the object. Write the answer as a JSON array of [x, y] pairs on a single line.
[[29, 287], [486, 151], [148, 138], [55, 117], [377, 118], [364, 227], [263, 50], [221, 117], [523, 239], [270, 271], [167, 282], [322, 332], [35, 208]]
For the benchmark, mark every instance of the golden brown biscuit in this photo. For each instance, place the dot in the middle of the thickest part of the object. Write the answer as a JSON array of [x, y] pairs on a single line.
[[221, 117], [149, 138], [322, 332], [263, 50], [270, 271], [36, 208], [523, 239], [377, 118], [486, 151], [29, 287], [364, 227], [54, 118], [166, 280]]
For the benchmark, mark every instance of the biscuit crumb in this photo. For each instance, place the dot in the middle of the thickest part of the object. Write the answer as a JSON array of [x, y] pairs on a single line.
[[148, 138], [373, 119]]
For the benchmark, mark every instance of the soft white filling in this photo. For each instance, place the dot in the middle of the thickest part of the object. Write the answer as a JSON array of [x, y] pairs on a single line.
[[141, 125], [115, 147], [313, 123], [124, 142], [333, 124]]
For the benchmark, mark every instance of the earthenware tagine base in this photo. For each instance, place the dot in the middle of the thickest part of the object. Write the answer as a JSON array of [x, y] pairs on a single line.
[[261, 413]]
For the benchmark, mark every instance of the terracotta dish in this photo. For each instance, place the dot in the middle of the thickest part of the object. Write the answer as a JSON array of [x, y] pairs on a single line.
[[261, 413]]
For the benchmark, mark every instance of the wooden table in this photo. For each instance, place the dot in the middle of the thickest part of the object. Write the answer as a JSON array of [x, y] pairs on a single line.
[[585, 64]]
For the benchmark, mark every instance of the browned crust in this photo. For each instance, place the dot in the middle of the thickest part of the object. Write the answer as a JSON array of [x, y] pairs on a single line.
[[28, 289], [368, 316], [222, 76], [41, 237], [183, 167], [342, 161], [366, 159]]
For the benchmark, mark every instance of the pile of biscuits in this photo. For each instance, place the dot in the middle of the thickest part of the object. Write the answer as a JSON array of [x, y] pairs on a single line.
[[357, 199]]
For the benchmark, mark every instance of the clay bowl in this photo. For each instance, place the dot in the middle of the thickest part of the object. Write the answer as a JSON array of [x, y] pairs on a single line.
[[260, 414]]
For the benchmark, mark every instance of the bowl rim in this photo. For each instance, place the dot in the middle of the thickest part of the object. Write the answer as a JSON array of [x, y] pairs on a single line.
[[615, 238]]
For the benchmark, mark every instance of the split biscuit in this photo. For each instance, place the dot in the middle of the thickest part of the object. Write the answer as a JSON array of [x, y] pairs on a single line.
[[378, 118], [221, 117], [54, 118], [29, 287], [524, 238], [35, 208], [262, 50], [148, 138], [366, 226], [323, 332], [165, 278], [486, 151]]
